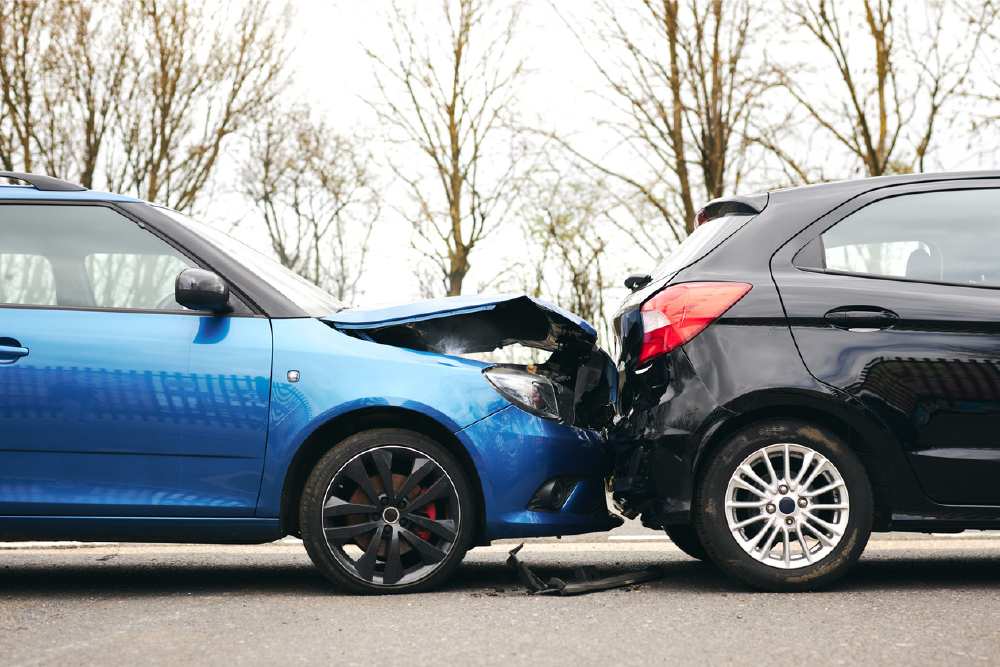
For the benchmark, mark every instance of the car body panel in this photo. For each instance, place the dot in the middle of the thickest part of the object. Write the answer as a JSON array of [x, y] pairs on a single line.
[[414, 311], [339, 374], [516, 453], [933, 376], [464, 324], [133, 414], [29, 193]]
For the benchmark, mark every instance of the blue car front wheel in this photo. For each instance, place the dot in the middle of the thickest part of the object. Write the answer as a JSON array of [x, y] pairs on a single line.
[[387, 511]]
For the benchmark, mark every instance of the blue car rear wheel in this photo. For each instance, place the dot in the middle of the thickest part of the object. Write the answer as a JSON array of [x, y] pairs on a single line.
[[387, 511]]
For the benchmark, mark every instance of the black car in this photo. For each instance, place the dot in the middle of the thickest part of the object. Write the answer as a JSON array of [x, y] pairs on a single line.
[[812, 365]]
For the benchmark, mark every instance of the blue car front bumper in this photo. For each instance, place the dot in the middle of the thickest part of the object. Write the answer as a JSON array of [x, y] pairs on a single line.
[[515, 453]]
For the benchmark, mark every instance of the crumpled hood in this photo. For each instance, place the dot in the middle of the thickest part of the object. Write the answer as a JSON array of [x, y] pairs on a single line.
[[467, 324]]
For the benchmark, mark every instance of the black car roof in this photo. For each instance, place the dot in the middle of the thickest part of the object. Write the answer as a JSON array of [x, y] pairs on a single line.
[[850, 188]]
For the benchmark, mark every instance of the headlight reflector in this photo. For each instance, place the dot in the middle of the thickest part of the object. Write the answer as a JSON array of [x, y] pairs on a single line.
[[532, 393]]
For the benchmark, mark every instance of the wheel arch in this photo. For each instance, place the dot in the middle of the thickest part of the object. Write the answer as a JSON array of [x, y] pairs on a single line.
[[332, 432], [859, 434]]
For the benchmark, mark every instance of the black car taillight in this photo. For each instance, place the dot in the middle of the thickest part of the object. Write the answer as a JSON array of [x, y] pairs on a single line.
[[681, 312]]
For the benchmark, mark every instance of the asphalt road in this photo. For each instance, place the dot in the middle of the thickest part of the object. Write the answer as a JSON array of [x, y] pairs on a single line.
[[908, 601]]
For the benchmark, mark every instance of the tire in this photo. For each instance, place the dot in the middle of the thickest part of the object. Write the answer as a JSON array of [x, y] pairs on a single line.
[[779, 531], [368, 541], [686, 539]]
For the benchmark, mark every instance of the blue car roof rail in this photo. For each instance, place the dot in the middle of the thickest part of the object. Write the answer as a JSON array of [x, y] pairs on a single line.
[[43, 183]]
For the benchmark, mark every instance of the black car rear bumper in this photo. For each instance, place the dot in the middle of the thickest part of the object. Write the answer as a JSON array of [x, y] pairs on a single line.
[[657, 444]]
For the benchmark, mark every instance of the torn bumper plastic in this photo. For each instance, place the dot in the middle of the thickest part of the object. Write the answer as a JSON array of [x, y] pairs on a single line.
[[586, 579]]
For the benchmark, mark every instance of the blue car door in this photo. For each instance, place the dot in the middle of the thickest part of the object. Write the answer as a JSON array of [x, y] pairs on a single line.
[[114, 399]]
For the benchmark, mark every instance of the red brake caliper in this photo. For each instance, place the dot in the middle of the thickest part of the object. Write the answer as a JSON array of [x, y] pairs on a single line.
[[429, 511]]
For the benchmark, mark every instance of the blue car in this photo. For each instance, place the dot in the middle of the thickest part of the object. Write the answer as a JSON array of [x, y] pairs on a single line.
[[161, 382]]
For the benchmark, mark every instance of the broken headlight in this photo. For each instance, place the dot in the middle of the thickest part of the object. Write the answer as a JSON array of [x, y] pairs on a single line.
[[532, 393]]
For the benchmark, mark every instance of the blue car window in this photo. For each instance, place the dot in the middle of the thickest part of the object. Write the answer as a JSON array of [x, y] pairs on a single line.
[[84, 256], [132, 280], [304, 294], [26, 280]]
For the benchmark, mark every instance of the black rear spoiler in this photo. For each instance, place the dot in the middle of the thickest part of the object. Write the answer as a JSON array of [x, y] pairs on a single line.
[[735, 205]]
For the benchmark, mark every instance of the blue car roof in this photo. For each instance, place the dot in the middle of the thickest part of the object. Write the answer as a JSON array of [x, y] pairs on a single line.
[[29, 192]]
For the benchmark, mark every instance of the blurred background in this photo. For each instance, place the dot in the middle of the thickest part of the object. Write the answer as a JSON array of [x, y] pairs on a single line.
[[396, 150]]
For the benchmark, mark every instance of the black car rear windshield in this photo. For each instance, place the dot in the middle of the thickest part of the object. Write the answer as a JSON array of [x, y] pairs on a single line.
[[702, 241]]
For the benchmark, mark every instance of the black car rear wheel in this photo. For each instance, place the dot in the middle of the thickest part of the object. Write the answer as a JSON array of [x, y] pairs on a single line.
[[686, 539], [784, 505], [387, 511]]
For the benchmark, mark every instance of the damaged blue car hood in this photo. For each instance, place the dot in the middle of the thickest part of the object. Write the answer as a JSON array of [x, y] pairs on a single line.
[[458, 324]]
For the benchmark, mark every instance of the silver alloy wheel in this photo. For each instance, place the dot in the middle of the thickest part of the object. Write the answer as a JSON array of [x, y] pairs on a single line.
[[391, 515], [787, 506]]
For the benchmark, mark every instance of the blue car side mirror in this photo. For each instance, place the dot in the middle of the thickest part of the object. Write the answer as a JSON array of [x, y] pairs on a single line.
[[199, 289]]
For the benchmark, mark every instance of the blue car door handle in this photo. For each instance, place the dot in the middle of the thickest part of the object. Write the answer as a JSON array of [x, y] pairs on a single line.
[[11, 353]]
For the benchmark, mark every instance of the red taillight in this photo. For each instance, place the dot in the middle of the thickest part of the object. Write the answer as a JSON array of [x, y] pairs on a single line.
[[681, 312]]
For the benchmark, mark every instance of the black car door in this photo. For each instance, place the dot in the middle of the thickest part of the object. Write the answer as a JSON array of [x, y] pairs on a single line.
[[895, 298]]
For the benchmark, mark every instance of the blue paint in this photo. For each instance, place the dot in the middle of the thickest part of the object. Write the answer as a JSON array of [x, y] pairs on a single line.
[[339, 374], [130, 414], [418, 311], [515, 453], [166, 415], [28, 192]]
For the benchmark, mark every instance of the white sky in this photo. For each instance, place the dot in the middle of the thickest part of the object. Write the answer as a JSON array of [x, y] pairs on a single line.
[[333, 74]]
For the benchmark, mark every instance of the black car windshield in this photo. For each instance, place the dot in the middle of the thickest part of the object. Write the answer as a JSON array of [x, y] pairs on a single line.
[[702, 241], [304, 294]]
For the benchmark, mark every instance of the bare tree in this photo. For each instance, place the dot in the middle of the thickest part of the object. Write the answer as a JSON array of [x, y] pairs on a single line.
[[202, 79], [92, 57], [564, 225], [63, 66], [685, 86], [57, 85], [22, 73], [318, 198], [564, 215], [146, 91], [448, 86], [891, 100]]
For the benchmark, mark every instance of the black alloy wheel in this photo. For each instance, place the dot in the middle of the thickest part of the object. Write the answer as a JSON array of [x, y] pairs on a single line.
[[387, 511], [784, 505]]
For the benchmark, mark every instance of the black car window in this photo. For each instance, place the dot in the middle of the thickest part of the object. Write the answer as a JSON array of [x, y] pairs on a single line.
[[84, 256], [948, 236]]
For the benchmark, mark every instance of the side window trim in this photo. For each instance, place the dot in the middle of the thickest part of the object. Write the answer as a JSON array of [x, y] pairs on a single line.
[[809, 255], [875, 276]]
